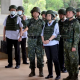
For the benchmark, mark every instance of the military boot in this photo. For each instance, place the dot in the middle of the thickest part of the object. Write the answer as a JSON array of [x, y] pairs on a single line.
[[75, 77], [41, 72], [32, 72], [68, 78]]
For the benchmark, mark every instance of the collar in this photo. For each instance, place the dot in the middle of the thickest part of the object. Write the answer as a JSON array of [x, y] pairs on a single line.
[[49, 24], [35, 19], [12, 16], [63, 20]]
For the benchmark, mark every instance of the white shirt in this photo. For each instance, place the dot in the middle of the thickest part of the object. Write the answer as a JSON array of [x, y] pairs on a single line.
[[13, 34], [55, 33]]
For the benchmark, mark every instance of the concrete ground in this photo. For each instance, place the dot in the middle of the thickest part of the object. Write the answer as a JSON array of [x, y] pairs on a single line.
[[23, 72]]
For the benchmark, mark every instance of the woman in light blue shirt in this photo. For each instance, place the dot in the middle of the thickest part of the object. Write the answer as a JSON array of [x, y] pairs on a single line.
[[50, 42]]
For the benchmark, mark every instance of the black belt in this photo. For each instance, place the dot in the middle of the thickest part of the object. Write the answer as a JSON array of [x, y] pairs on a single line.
[[34, 37]]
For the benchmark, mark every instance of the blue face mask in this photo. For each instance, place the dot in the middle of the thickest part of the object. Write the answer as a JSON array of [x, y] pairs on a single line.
[[13, 13], [19, 12]]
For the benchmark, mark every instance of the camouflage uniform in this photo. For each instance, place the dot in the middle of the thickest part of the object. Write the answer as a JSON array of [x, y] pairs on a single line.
[[43, 12], [35, 43], [61, 44], [44, 19], [78, 18], [70, 34]]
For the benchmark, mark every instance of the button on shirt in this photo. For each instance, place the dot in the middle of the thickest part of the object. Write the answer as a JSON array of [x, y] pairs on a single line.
[[55, 33], [13, 34]]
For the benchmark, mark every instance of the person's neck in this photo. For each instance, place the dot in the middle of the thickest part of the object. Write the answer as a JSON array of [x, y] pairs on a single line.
[[12, 15], [36, 18], [71, 19], [78, 17], [63, 19], [50, 21], [20, 15]]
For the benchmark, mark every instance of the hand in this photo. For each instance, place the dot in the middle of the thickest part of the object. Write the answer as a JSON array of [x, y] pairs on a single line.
[[44, 42], [47, 41], [73, 49], [4, 38], [43, 47], [24, 17], [20, 39]]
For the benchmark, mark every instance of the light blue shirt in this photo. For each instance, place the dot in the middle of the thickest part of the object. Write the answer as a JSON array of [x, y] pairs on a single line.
[[55, 33], [13, 34], [25, 33]]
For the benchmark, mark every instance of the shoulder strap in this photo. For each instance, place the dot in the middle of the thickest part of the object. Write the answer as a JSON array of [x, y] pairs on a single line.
[[54, 23]]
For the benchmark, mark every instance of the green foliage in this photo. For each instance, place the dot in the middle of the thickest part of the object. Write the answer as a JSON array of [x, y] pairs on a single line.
[[54, 4], [49, 4], [33, 3]]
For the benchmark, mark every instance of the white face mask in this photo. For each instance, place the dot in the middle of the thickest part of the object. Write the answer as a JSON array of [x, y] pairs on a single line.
[[12, 13], [19, 12]]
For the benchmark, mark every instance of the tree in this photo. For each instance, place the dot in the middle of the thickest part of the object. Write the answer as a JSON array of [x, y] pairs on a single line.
[[54, 4], [34, 3], [73, 3]]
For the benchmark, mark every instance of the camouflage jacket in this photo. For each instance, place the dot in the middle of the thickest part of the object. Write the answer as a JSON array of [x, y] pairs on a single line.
[[70, 31], [35, 27]]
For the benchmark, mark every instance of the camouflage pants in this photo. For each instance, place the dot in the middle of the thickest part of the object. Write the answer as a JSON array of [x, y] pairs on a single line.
[[35, 48], [71, 58]]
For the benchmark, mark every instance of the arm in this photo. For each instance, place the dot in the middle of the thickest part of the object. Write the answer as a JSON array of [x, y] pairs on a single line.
[[76, 36], [42, 37], [21, 25], [26, 29], [4, 38], [20, 39], [24, 17], [55, 33]]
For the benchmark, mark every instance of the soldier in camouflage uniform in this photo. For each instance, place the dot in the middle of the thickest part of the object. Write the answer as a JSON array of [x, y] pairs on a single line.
[[56, 16], [35, 25], [50, 41], [20, 12], [43, 14], [78, 18], [70, 34], [62, 16]]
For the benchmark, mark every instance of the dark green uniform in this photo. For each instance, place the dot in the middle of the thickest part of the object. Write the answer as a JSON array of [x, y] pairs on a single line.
[[78, 18], [34, 42], [70, 34]]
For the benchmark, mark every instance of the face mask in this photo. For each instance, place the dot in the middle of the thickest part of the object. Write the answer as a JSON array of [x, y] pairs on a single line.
[[19, 12], [13, 13]]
